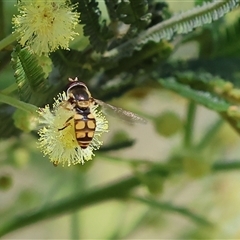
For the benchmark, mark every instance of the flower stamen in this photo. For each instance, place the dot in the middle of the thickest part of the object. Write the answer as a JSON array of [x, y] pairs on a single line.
[[45, 25]]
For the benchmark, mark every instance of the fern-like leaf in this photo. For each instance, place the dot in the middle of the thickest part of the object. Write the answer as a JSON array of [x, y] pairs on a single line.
[[229, 38], [97, 32], [207, 99], [224, 68], [29, 76], [134, 12], [180, 24], [111, 7]]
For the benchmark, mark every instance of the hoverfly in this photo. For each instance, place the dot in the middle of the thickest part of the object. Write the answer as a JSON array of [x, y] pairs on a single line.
[[80, 100]]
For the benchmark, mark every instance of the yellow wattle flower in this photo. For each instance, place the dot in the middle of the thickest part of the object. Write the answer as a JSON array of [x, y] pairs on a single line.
[[61, 146], [45, 25]]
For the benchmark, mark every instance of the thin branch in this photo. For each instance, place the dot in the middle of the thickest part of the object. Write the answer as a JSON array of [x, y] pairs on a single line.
[[191, 112], [171, 208], [18, 104], [228, 166], [117, 145], [8, 40], [117, 190], [210, 133]]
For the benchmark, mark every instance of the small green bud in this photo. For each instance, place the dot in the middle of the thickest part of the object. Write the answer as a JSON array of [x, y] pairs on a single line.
[[168, 123], [24, 120]]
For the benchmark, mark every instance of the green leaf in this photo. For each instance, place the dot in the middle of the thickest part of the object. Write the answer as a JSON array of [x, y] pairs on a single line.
[[226, 41], [97, 32], [18, 104], [200, 2], [134, 12], [29, 75], [181, 24], [111, 7], [125, 12], [159, 11], [206, 99], [225, 68]]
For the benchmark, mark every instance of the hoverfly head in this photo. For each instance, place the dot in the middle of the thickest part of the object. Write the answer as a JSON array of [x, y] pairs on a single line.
[[78, 93]]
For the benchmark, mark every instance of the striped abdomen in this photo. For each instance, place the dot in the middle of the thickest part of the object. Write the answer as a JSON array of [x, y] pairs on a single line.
[[85, 125]]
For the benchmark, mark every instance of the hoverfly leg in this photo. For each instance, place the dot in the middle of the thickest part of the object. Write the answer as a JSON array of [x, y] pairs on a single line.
[[92, 101], [67, 123]]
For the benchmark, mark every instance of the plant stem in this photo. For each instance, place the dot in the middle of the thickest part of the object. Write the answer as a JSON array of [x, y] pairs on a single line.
[[116, 190], [117, 145], [18, 104], [13, 87], [8, 40], [229, 166], [75, 223], [210, 133], [74, 226], [231, 121], [171, 208], [191, 112], [131, 227], [130, 161]]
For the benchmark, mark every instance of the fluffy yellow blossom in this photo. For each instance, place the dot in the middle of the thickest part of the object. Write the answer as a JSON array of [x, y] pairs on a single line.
[[62, 146], [45, 25]]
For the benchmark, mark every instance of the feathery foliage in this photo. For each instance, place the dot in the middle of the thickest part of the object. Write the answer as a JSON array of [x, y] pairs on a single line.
[[97, 31], [29, 75], [134, 12], [181, 24], [204, 98]]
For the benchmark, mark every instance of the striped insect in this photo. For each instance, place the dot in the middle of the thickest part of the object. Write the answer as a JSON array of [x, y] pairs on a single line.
[[79, 101]]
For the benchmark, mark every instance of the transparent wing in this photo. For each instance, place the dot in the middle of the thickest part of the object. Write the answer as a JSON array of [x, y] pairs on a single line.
[[119, 112]]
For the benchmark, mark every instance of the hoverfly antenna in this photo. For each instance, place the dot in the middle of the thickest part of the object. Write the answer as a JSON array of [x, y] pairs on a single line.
[[73, 80]]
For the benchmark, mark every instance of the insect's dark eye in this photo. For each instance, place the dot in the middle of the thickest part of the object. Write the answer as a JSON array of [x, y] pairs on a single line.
[[81, 96], [79, 93]]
